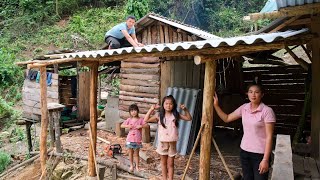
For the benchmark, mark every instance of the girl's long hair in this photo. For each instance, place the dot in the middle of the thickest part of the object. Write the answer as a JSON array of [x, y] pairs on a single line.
[[174, 111]]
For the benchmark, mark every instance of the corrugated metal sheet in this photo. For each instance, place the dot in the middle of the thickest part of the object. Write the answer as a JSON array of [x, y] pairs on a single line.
[[251, 39], [190, 98], [151, 17], [275, 5]]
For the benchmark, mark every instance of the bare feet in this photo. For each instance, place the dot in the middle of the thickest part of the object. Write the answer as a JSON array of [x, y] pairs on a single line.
[[131, 169]]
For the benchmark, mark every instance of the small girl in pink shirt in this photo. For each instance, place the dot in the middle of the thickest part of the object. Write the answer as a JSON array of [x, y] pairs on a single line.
[[134, 138], [168, 120], [258, 123]]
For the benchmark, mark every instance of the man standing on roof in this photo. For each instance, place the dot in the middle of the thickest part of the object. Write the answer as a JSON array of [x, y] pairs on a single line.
[[123, 35]]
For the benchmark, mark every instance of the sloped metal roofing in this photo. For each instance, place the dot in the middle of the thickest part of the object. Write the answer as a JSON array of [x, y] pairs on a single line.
[[188, 97], [151, 17], [213, 43], [275, 5]]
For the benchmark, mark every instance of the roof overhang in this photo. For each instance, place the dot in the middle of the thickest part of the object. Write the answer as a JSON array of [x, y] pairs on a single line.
[[218, 48]]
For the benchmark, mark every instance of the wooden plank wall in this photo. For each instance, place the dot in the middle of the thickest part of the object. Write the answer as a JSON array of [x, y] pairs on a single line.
[[65, 91], [84, 94], [31, 97], [284, 93]]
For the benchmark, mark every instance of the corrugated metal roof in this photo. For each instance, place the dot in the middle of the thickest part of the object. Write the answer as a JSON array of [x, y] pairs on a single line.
[[151, 17], [213, 43], [275, 5], [188, 97]]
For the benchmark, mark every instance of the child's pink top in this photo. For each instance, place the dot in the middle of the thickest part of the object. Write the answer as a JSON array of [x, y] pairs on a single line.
[[170, 133], [254, 128], [134, 134]]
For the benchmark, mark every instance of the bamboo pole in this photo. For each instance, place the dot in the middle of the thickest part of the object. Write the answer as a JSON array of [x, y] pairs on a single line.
[[93, 118], [192, 152], [207, 120], [44, 119], [222, 159]]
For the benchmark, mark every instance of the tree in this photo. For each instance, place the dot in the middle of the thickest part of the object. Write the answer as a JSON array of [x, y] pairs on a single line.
[[138, 8]]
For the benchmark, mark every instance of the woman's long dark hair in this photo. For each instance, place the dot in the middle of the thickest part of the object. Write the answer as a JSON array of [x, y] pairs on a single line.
[[174, 111]]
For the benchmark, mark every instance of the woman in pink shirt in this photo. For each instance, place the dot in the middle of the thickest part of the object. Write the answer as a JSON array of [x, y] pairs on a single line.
[[258, 124], [134, 138], [168, 121]]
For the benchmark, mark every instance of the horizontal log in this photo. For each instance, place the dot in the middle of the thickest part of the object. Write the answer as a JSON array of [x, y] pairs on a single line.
[[130, 98], [126, 108], [143, 60], [143, 95], [282, 69], [250, 76], [139, 65], [151, 90], [139, 82], [141, 77], [149, 71], [125, 115], [139, 104]]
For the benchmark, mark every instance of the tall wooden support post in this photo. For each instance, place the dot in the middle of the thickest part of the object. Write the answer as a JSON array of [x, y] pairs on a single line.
[[93, 118], [315, 105], [44, 119], [207, 120]]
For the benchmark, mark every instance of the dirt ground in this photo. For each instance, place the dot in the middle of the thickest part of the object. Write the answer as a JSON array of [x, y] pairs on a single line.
[[77, 142]]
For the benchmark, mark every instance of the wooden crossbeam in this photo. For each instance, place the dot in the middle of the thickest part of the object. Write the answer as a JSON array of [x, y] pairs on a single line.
[[313, 8], [300, 61], [285, 24]]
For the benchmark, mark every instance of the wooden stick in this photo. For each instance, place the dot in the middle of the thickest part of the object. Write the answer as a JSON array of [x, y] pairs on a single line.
[[222, 159], [94, 155], [4, 174], [103, 140], [192, 152], [129, 177], [300, 61], [108, 163]]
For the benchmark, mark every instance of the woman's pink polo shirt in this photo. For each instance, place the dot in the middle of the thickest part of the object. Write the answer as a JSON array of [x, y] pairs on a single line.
[[254, 128]]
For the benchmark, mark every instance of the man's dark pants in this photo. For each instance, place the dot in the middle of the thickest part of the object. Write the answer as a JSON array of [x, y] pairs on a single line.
[[250, 164], [115, 43]]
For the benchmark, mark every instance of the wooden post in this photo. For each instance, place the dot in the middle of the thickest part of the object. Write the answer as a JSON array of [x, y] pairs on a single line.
[[56, 119], [93, 118], [207, 120], [44, 119], [28, 130], [315, 105], [146, 134], [51, 131], [120, 132]]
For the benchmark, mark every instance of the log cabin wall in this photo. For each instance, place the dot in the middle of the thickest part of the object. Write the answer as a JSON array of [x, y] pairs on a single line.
[[144, 81], [31, 97], [68, 90]]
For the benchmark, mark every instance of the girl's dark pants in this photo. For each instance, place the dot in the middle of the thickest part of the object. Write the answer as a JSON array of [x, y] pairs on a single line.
[[250, 164]]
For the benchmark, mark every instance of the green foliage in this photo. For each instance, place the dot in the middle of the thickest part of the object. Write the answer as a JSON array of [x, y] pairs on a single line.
[[115, 84], [5, 160], [138, 8], [17, 134]]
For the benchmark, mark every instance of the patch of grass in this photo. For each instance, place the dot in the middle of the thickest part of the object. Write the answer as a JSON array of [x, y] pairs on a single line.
[[5, 160]]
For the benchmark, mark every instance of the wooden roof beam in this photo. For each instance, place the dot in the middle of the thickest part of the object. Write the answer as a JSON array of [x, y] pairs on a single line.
[[313, 8], [300, 61]]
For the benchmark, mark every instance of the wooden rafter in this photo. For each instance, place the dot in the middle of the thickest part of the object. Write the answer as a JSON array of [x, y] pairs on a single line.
[[285, 24], [300, 61], [306, 51], [313, 8]]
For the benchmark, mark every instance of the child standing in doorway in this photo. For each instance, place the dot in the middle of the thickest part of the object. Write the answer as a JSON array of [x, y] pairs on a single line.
[[168, 121], [134, 138]]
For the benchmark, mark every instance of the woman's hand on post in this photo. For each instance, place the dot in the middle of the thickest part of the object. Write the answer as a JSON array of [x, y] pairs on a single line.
[[183, 107], [215, 99]]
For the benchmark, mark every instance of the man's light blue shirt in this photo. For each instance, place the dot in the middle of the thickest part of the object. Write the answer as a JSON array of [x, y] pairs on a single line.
[[116, 31]]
